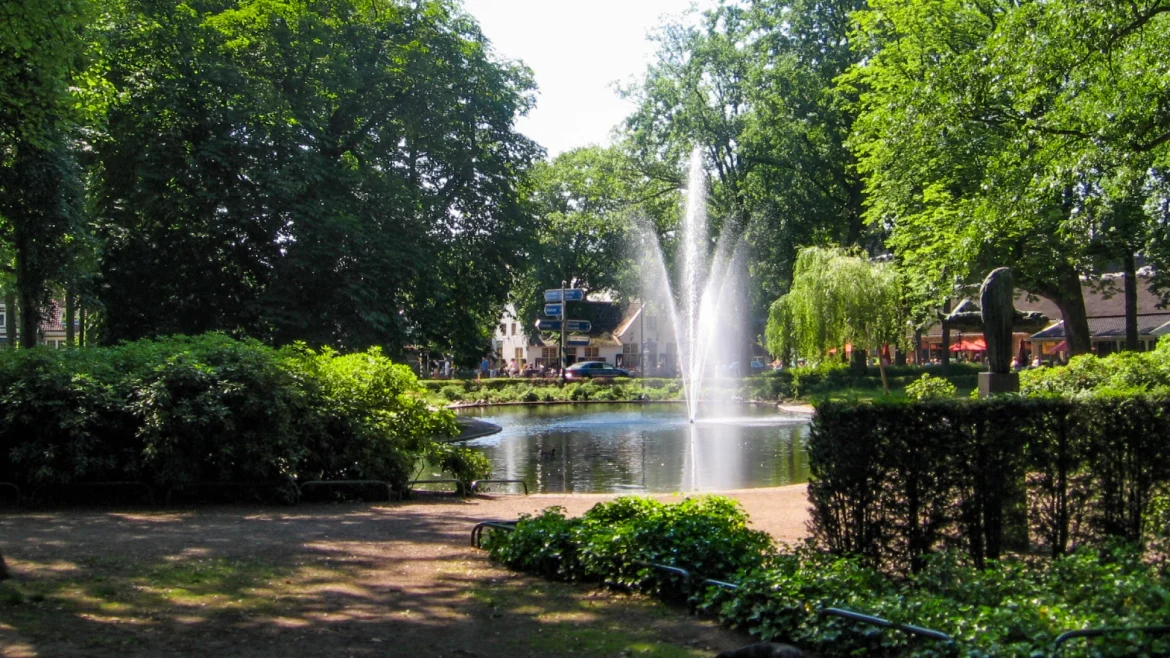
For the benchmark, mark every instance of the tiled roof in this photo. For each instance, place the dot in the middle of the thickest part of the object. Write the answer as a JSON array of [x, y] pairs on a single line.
[[1109, 327]]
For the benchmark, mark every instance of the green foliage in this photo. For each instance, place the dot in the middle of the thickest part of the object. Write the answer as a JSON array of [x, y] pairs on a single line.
[[1088, 374], [1013, 608], [612, 541], [930, 388], [342, 173], [196, 409], [838, 298], [894, 482], [463, 464]]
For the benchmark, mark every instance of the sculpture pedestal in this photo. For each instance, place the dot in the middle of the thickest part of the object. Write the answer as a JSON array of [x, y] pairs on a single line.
[[992, 383]]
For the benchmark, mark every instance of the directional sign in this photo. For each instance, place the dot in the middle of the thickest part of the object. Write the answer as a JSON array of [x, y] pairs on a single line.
[[577, 341], [571, 295], [548, 325], [555, 310], [578, 326]]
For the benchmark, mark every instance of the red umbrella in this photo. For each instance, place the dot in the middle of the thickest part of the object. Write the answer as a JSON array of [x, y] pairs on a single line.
[[976, 345]]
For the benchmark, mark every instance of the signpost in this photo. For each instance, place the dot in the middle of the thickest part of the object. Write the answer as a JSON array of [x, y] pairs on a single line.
[[555, 301]]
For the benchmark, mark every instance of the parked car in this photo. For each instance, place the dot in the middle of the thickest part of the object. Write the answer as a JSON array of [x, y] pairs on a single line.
[[757, 365], [591, 369]]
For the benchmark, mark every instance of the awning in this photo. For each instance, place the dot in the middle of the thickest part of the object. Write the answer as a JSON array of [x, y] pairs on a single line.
[[974, 345], [1062, 346]]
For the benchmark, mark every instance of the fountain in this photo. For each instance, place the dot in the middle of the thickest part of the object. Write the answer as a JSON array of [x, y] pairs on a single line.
[[706, 328]]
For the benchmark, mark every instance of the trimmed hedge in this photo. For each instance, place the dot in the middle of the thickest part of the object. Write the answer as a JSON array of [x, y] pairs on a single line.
[[183, 410], [896, 481], [805, 382]]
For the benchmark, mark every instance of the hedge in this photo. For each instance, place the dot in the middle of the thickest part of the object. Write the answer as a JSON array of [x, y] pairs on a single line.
[[185, 410], [895, 481]]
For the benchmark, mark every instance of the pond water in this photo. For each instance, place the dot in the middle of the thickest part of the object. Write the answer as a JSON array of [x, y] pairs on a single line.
[[644, 448]]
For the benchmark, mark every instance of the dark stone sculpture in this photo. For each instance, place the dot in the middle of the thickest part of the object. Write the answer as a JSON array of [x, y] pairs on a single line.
[[998, 314]]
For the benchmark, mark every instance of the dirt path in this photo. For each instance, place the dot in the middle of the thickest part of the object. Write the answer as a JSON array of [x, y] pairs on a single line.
[[324, 580]]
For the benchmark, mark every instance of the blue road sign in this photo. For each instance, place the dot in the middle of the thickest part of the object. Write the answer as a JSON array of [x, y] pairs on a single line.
[[579, 341], [548, 325], [581, 326], [555, 310], [571, 295]]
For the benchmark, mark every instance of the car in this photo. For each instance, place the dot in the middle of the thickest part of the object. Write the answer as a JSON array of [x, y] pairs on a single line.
[[591, 369], [757, 365]]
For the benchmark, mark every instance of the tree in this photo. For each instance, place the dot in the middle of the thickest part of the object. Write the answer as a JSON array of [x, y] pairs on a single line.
[[42, 96], [752, 85], [342, 172], [980, 123], [589, 204], [839, 298]]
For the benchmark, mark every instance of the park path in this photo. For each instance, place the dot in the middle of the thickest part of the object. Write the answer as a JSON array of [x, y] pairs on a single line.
[[340, 580]]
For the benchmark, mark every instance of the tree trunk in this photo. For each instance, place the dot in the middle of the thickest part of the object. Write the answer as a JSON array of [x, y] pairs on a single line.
[[10, 321], [946, 341], [1131, 284], [81, 328], [30, 304], [1070, 300], [69, 315]]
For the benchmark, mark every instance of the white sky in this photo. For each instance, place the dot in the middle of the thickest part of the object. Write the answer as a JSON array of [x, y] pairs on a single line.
[[577, 50]]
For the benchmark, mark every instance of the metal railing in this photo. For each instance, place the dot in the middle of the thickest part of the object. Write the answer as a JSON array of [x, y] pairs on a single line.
[[885, 623], [1058, 644], [117, 484], [477, 531], [13, 488], [475, 484], [347, 483]]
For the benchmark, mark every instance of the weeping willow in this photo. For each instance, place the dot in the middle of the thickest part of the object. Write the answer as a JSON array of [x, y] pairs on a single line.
[[838, 298]]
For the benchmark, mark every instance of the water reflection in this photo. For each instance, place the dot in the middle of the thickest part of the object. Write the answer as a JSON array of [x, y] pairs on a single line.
[[644, 448]]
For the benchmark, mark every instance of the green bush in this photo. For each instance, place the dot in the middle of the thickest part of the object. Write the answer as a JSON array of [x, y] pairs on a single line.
[[1120, 372], [181, 410], [930, 388], [1013, 608]]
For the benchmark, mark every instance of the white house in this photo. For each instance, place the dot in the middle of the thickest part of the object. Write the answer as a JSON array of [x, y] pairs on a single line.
[[638, 329]]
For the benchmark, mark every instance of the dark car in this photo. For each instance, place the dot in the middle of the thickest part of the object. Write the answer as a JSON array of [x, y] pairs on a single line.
[[590, 369]]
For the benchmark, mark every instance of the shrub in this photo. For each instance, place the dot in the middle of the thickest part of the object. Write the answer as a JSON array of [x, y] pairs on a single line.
[[1013, 608], [181, 410], [930, 388], [452, 392]]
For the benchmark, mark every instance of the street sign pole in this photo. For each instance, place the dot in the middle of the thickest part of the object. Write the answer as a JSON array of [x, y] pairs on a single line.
[[564, 316]]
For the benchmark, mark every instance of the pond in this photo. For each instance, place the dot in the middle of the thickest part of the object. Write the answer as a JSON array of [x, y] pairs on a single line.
[[644, 447]]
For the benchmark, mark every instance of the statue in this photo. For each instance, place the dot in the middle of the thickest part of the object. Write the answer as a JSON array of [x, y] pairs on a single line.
[[998, 315]]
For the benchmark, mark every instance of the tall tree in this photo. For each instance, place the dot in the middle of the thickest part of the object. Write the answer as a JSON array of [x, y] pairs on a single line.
[[342, 172], [979, 119], [839, 298], [42, 57]]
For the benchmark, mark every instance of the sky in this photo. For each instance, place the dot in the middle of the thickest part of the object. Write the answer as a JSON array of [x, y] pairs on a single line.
[[577, 50]]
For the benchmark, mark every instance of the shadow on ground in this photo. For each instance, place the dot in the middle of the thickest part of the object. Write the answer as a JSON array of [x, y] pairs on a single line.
[[328, 580]]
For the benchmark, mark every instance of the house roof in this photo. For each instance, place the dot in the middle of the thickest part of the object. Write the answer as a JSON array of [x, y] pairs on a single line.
[[1103, 299], [1111, 327]]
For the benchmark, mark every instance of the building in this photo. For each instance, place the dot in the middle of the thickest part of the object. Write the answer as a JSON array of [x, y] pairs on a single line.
[[1104, 306], [635, 338], [52, 331]]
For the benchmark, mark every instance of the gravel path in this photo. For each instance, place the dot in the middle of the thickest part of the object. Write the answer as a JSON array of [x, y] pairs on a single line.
[[326, 580]]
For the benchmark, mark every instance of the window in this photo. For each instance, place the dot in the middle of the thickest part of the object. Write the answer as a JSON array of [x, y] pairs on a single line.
[[3, 319], [519, 354], [549, 354], [503, 330], [513, 328], [592, 352], [570, 352]]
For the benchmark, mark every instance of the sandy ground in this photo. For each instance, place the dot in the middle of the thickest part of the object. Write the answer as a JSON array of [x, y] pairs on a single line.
[[326, 580]]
